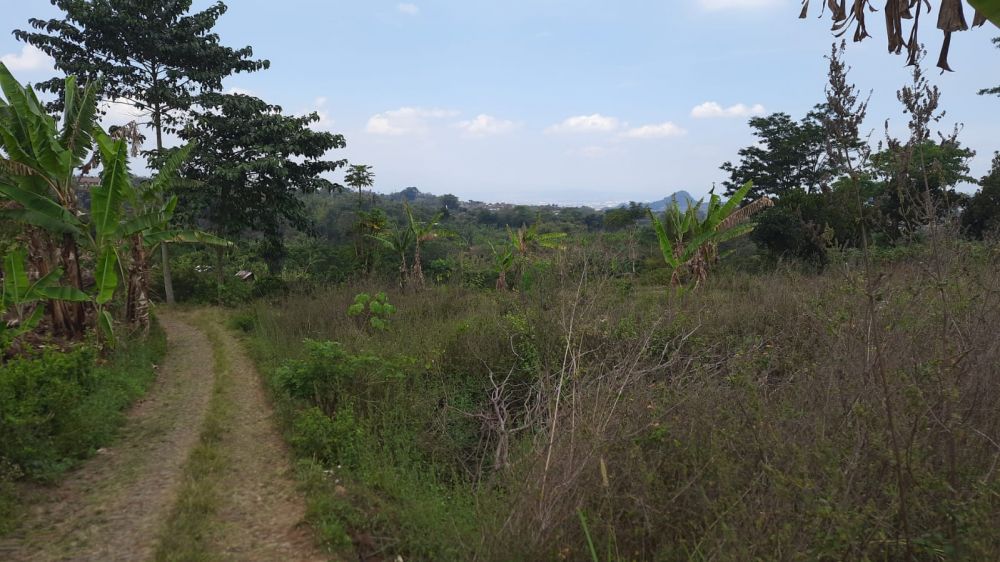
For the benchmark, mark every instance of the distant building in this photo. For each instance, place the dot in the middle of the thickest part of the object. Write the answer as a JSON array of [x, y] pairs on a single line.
[[87, 182]]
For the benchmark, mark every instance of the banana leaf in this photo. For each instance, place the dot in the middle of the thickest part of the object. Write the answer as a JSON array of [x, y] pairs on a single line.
[[990, 9], [106, 275], [184, 237]]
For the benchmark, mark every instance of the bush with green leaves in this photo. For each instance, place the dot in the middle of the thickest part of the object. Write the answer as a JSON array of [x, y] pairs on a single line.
[[38, 398], [329, 376], [58, 406], [374, 311], [332, 440]]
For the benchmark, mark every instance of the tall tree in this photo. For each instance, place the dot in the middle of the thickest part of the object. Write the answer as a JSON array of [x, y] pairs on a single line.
[[360, 176], [982, 215], [250, 164], [153, 54], [788, 155], [919, 174]]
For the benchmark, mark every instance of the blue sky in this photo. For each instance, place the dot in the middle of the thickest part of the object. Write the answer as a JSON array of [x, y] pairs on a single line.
[[579, 101]]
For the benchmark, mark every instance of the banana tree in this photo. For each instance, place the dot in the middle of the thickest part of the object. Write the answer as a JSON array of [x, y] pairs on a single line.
[[146, 226], [20, 293], [504, 260], [527, 241], [690, 243], [397, 240], [422, 232], [38, 158], [520, 246], [37, 186]]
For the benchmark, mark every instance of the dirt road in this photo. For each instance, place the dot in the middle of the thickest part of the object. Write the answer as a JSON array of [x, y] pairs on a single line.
[[116, 505]]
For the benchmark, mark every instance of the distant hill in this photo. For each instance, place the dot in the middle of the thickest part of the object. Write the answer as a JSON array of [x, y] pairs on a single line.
[[683, 198]]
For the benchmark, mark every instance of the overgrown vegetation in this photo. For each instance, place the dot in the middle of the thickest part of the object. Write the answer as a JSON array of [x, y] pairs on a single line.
[[733, 423], [831, 412], [473, 381], [60, 405]]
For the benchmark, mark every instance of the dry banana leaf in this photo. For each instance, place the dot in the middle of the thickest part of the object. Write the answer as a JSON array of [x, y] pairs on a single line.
[[845, 14]]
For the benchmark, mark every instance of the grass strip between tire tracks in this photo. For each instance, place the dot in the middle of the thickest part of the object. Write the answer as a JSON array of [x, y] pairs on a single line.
[[187, 534]]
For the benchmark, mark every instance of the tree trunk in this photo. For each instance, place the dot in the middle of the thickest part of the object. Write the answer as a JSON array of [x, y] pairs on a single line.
[[44, 256], [168, 278], [71, 262], [418, 270], [402, 271], [137, 296], [220, 256]]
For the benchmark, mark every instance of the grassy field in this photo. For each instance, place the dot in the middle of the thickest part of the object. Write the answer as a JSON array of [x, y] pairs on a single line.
[[782, 415]]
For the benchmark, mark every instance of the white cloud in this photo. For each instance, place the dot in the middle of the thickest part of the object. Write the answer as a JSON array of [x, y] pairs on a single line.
[[240, 91], [120, 112], [408, 9], [591, 152], [714, 5], [405, 120], [595, 123], [711, 109], [486, 125], [662, 130], [325, 121], [30, 58]]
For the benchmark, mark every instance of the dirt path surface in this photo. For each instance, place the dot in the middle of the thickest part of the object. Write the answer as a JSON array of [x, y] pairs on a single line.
[[261, 512], [114, 506]]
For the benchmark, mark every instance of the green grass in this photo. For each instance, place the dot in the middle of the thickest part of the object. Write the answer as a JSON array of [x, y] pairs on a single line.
[[187, 534]]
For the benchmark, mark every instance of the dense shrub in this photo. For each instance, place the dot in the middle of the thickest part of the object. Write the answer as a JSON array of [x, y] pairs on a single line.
[[58, 406], [41, 425]]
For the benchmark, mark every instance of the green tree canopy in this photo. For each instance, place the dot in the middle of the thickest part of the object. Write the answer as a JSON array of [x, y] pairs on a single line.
[[982, 215], [360, 176], [152, 54], [149, 53], [922, 178], [789, 155], [251, 163]]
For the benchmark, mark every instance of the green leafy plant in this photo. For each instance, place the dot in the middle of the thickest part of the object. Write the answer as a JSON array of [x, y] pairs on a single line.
[[397, 240], [375, 311], [690, 243], [38, 189], [422, 232], [522, 245], [21, 294], [503, 259]]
